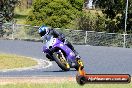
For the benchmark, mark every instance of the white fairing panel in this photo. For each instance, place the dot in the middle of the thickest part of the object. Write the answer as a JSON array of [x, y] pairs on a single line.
[[51, 42]]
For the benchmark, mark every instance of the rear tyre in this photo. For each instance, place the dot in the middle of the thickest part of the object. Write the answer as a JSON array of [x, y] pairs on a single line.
[[61, 60]]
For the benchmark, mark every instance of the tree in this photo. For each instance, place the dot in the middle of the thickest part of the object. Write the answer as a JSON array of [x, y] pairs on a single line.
[[7, 8], [115, 10], [55, 13], [90, 22], [78, 4], [24, 4], [85, 3], [6, 12], [110, 7]]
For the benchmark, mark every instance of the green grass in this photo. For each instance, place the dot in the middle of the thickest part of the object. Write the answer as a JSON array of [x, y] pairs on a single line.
[[8, 61], [66, 85]]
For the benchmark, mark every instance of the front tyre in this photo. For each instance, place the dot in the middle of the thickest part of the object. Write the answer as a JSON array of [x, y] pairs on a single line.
[[61, 60]]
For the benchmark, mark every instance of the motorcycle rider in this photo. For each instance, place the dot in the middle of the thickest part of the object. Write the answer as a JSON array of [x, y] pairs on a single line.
[[46, 32]]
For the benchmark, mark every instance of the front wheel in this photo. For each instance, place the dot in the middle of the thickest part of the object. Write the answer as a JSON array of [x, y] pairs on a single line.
[[61, 60]]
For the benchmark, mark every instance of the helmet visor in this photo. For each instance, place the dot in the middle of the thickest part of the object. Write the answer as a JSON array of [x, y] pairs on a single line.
[[42, 33]]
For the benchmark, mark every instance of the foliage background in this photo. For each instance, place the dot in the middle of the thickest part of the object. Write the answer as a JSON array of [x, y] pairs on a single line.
[[55, 13], [108, 15]]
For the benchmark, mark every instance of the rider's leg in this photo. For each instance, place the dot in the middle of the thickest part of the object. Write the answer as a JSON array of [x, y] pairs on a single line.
[[78, 58], [72, 48]]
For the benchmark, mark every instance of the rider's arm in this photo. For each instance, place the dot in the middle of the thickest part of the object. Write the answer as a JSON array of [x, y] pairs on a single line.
[[58, 34], [44, 38]]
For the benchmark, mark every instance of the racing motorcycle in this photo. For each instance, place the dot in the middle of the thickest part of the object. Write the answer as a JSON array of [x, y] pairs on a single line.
[[57, 51]]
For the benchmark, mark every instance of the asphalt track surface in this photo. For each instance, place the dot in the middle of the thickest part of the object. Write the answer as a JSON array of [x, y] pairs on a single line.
[[97, 59]]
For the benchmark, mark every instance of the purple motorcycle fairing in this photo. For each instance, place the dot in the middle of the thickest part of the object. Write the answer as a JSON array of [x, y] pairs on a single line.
[[69, 53], [58, 44]]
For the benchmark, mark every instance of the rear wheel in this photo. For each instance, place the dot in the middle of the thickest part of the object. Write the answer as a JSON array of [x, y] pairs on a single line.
[[61, 60]]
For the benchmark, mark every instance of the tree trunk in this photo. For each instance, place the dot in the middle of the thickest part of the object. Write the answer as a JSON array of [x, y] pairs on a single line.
[[85, 3]]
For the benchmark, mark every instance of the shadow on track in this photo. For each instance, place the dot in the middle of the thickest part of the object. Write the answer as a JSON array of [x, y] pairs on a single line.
[[61, 71]]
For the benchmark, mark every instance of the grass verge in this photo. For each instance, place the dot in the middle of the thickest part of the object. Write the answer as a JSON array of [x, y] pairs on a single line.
[[65, 85], [8, 61]]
